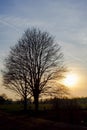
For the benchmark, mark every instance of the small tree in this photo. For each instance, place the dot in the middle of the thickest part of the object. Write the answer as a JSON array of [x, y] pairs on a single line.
[[33, 64], [15, 76], [2, 99]]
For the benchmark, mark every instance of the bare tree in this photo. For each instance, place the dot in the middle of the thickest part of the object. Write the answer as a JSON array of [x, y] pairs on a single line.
[[33, 64], [15, 74], [55, 90]]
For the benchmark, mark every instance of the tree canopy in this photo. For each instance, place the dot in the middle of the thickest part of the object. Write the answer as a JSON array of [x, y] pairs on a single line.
[[33, 65]]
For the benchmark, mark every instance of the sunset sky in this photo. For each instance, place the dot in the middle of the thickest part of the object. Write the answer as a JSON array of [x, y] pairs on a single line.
[[64, 19]]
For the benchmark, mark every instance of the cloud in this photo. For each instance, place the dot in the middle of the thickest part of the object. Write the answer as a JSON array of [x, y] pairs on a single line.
[[74, 54]]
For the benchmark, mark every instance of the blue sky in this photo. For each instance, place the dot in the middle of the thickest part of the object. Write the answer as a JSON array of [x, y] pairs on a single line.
[[65, 19]]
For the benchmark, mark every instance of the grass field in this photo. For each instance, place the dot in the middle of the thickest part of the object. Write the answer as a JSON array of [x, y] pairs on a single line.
[[14, 121], [46, 114], [18, 107], [14, 118]]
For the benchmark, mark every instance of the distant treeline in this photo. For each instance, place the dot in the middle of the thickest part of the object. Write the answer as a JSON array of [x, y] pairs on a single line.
[[67, 103], [5, 100], [56, 103], [73, 103]]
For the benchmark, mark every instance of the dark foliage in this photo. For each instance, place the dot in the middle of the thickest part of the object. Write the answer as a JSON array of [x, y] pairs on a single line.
[[65, 104], [2, 100]]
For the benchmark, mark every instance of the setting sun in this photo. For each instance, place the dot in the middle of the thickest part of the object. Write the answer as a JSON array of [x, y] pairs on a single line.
[[70, 80]]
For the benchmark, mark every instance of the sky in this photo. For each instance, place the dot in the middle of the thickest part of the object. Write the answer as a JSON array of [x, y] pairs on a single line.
[[64, 19]]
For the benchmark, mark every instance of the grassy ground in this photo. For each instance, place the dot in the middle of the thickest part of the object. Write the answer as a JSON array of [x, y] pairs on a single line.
[[19, 107], [24, 122], [12, 117]]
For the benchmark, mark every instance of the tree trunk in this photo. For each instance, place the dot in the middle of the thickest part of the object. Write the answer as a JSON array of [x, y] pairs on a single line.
[[36, 102], [25, 97], [25, 104]]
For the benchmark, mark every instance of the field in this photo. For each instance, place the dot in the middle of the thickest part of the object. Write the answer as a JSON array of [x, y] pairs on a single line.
[[12, 117], [24, 122]]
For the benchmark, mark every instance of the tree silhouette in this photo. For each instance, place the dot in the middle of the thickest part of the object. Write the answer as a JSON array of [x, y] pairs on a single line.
[[33, 64]]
